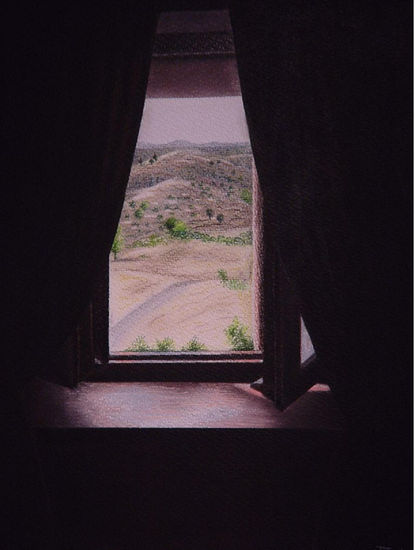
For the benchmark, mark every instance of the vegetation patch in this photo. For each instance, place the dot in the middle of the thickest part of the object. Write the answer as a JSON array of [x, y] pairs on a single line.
[[179, 230], [118, 242], [238, 336], [139, 344], [246, 195], [167, 344], [152, 240], [176, 228], [244, 238], [194, 345], [232, 284]]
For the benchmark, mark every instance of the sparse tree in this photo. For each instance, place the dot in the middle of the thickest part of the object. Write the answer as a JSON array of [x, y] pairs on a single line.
[[140, 160], [220, 218], [209, 213], [118, 242], [155, 157]]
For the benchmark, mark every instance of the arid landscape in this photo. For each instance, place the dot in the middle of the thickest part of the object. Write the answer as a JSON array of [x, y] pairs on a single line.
[[181, 263]]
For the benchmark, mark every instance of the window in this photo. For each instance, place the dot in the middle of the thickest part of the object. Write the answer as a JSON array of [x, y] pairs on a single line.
[[116, 343], [181, 265]]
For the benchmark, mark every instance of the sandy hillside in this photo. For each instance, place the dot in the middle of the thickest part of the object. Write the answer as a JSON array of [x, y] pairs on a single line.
[[168, 287]]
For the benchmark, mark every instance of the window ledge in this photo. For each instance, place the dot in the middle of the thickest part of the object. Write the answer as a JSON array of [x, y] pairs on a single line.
[[175, 405]]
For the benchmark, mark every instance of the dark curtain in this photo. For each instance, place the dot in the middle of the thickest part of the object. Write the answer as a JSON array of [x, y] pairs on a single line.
[[82, 76], [326, 89], [327, 93], [75, 89]]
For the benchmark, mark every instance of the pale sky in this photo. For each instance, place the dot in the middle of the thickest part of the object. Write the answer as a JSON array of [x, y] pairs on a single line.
[[198, 120]]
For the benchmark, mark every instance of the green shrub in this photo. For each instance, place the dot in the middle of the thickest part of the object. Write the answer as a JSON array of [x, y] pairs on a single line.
[[232, 284], [139, 344], [238, 337], [180, 230], [246, 195], [223, 276], [176, 228], [194, 345], [118, 242], [170, 222], [144, 205], [132, 204], [236, 284], [166, 344], [138, 213]]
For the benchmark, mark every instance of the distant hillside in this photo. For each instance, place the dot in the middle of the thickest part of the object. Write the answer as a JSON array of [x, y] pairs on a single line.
[[238, 154], [208, 187], [177, 144]]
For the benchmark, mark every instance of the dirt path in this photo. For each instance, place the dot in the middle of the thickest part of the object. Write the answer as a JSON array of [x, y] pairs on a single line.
[[124, 331]]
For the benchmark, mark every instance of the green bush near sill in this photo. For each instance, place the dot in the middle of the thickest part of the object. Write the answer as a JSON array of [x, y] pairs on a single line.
[[238, 336], [194, 345]]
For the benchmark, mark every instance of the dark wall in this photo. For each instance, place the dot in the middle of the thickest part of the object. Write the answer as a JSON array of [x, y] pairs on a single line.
[[112, 487], [187, 489], [192, 77]]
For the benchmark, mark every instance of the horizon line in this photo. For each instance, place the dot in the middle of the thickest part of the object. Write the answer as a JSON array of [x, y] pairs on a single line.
[[192, 142]]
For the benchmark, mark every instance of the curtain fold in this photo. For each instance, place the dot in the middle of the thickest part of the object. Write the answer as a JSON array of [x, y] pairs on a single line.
[[86, 74], [326, 91], [75, 90]]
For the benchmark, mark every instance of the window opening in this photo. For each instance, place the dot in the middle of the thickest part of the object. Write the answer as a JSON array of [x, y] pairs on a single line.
[[194, 196], [181, 265]]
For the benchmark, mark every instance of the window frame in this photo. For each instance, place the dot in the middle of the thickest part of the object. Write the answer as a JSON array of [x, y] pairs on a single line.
[[278, 334], [227, 366], [278, 366]]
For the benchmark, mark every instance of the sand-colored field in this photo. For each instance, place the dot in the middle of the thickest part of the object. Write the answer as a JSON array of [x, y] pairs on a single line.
[[174, 291]]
